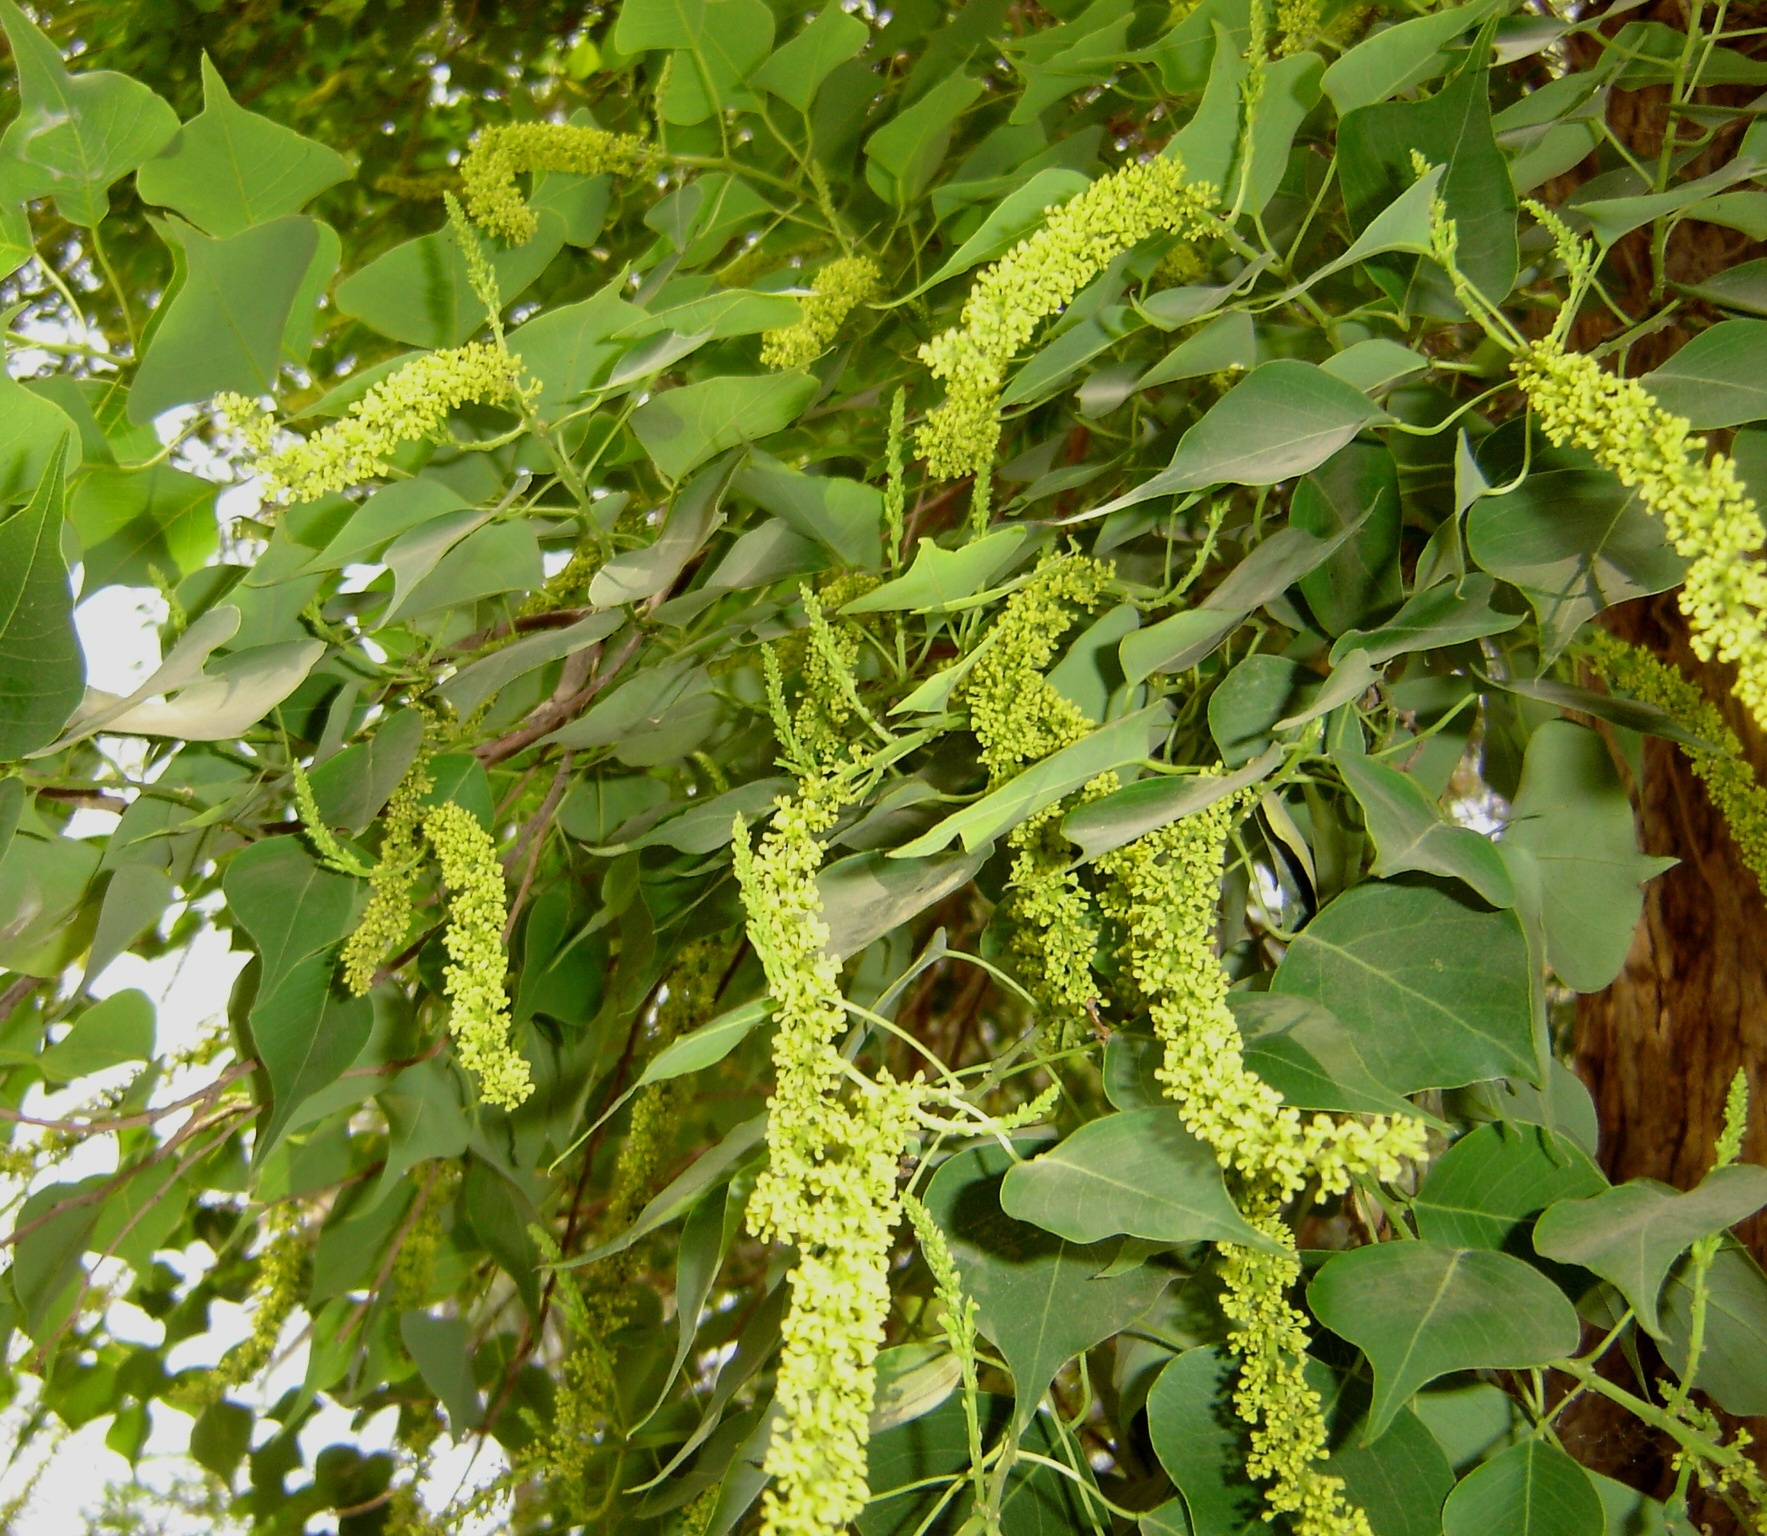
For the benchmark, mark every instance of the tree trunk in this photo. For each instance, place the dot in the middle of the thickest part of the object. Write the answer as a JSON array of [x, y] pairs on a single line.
[[1658, 1048]]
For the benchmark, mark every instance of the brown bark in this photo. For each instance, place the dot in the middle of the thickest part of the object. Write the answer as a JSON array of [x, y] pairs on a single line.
[[1658, 1048]]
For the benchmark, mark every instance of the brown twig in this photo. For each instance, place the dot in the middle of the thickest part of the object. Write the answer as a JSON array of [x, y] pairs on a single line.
[[128, 1122], [533, 836], [555, 712]]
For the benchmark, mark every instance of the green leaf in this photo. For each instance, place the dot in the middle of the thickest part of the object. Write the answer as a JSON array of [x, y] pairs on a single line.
[[1148, 804], [911, 1463], [134, 522], [1612, 218], [480, 680], [1141, 1174], [708, 1171], [1570, 536], [570, 350], [419, 292], [1572, 847], [1283, 419], [1449, 613], [1736, 1330], [441, 1346], [1436, 992], [294, 909], [1419, 1311], [1530, 1489], [1198, 1438], [1393, 59], [33, 430], [902, 156], [1488, 1184], [229, 699], [107, 1034], [46, 1259], [1715, 379], [730, 39], [43, 886], [796, 70], [424, 1120], [1361, 579], [42, 670], [1110, 747], [223, 328], [1410, 834], [390, 512], [694, 516], [682, 428], [75, 134], [1179, 642], [707, 1045], [228, 169], [1016, 215], [1035, 1294], [1228, 342], [220, 1438], [1258, 692], [1208, 143], [844, 516], [1452, 128], [941, 578], [1375, 364], [1632, 1235], [1398, 1481], [872, 894], [1308, 1057]]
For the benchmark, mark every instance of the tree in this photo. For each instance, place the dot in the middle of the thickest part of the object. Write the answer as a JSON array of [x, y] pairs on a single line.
[[856, 749]]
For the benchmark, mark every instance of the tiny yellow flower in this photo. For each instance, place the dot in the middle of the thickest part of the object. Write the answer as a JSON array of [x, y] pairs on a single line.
[[837, 290], [1037, 278], [406, 406], [1705, 510], [477, 964], [499, 155]]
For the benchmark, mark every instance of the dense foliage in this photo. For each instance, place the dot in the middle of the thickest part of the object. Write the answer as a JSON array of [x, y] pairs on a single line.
[[911, 749]]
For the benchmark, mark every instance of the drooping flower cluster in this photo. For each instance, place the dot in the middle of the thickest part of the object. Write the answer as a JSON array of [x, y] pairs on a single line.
[[836, 291], [477, 965], [1163, 893], [244, 416], [1016, 713], [276, 1292], [1034, 280], [1724, 768], [499, 155], [1288, 1430], [407, 406], [1019, 716], [1705, 510], [834, 1142], [387, 918]]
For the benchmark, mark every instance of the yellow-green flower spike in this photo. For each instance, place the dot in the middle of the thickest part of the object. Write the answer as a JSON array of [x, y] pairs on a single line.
[[1163, 894], [1016, 713], [835, 292], [1287, 1419], [1705, 511], [387, 918], [1034, 280], [834, 1142], [407, 406], [1724, 769], [276, 1292], [499, 155], [477, 964], [240, 414]]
